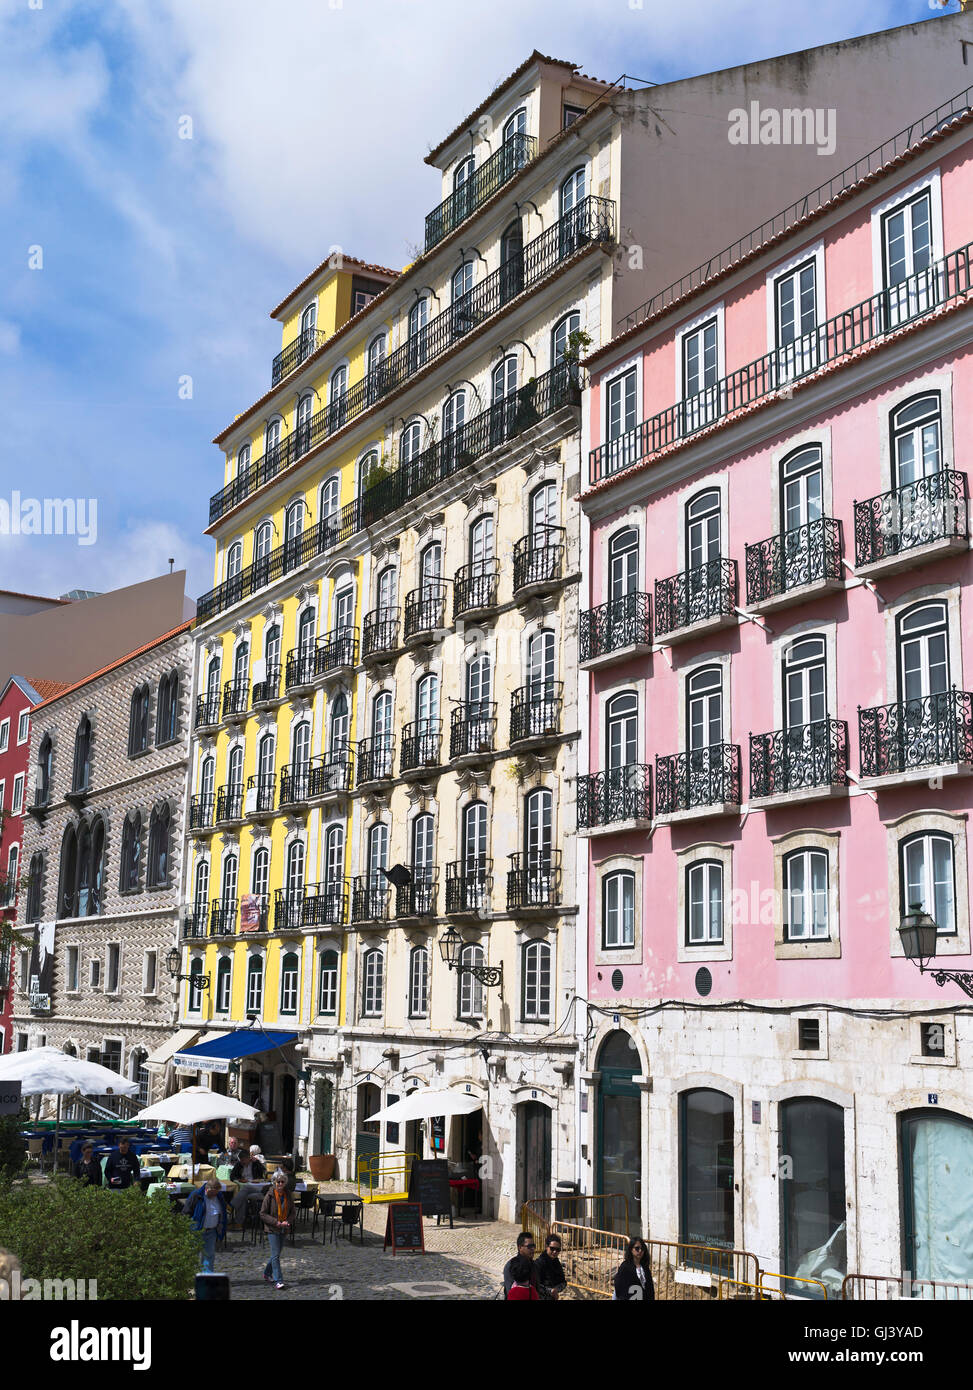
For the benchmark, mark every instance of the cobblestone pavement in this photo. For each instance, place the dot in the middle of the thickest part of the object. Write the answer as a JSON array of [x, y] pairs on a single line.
[[462, 1263]]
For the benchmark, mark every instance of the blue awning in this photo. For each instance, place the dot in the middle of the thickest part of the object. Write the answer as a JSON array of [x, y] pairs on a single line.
[[218, 1053]]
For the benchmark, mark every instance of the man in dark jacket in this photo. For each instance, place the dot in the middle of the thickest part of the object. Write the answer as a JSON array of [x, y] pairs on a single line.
[[525, 1246], [122, 1168], [551, 1279], [88, 1168]]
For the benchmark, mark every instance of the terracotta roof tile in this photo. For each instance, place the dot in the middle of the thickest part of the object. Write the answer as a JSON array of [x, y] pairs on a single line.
[[345, 260]]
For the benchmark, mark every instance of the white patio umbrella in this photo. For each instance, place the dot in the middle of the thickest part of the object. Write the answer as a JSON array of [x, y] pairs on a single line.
[[197, 1105], [49, 1071], [422, 1105]]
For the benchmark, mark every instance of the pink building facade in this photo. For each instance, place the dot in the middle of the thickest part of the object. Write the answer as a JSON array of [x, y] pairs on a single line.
[[777, 740]]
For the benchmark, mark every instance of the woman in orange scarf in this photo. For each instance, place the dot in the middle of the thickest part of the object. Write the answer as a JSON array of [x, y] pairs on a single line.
[[277, 1214]]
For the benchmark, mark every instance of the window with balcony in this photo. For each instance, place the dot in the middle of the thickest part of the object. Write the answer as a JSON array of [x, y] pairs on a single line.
[[536, 958], [302, 423], [621, 417], [515, 125], [463, 314], [807, 550], [337, 399], [511, 261], [373, 984], [811, 750], [234, 560], [708, 772], [470, 989], [260, 884], [290, 905], [623, 791], [618, 911], [795, 320], [328, 983], [573, 233], [701, 403], [223, 918], [907, 257], [419, 982], [704, 903]]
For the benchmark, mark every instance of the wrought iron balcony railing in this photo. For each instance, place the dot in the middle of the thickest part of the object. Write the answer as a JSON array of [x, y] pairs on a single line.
[[380, 633], [300, 667], [472, 729], [534, 881], [376, 759], [509, 159], [420, 898], [336, 651], [927, 290], [539, 558], [420, 745], [791, 760], [332, 772], [934, 731], [267, 689], [295, 784], [229, 803], [592, 221], [694, 596], [622, 622], [308, 341], [260, 793], [697, 778], [535, 711], [934, 508], [425, 609], [235, 694], [468, 885], [475, 588], [618, 794], [806, 554], [369, 900], [288, 909], [223, 916], [195, 924], [207, 710], [201, 812], [325, 904]]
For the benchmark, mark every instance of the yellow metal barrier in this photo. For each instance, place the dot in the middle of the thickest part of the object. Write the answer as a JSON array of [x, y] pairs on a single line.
[[376, 1173], [605, 1211], [791, 1278], [726, 1286], [881, 1287]]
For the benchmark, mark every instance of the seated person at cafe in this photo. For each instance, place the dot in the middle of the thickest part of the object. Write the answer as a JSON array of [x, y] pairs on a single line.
[[231, 1154], [122, 1168], [88, 1168], [246, 1172]]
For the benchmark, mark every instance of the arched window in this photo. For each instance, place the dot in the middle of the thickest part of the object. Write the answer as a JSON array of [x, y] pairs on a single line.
[[207, 778], [305, 630], [263, 544], [570, 323], [160, 830], [410, 442], [201, 897], [228, 887], [511, 261], [234, 776], [536, 980], [927, 879], [621, 733], [461, 283], [461, 177], [10, 881], [573, 228], [618, 910], [293, 531], [289, 983], [378, 854], [303, 435], [382, 732], [35, 887], [916, 441], [805, 683], [540, 667], [337, 399], [419, 982], [623, 563], [83, 889], [344, 612], [328, 983], [294, 879], [334, 856], [423, 847], [706, 1188], [68, 879], [242, 460], [260, 875], [474, 837], [801, 490], [194, 1001], [328, 509], [373, 984], [515, 125], [309, 319], [418, 318], [338, 726], [234, 560], [377, 350], [255, 985], [619, 1126], [272, 444], [454, 412], [131, 854], [704, 711], [272, 653], [704, 903], [427, 704], [224, 984], [703, 529], [81, 775], [368, 465], [167, 712], [922, 633], [538, 876], [386, 590], [470, 1001], [543, 511], [96, 898], [479, 705], [45, 763], [300, 745], [431, 568], [936, 1154]]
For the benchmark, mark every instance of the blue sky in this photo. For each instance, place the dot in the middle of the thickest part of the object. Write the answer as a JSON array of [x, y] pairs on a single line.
[[161, 256]]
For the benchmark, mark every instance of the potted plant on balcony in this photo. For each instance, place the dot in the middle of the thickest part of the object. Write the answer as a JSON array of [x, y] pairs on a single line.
[[578, 343]]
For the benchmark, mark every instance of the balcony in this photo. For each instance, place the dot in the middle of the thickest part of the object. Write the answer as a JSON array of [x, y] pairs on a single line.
[[796, 565], [260, 796], [229, 805], [308, 341], [201, 814], [468, 885], [376, 760], [472, 731], [699, 782], [267, 691], [591, 222], [475, 589], [332, 656], [838, 338], [618, 799], [912, 525], [697, 601], [235, 696], [420, 898], [325, 904], [512, 156], [420, 747], [902, 742], [380, 635], [295, 786], [207, 710], [534, 883], [223, 917], [369, 901], [801, 763], [289, 909], [299, 670], [616, 630], [425, 613], [539, 562], [535, 713], [195, 923], [331, 776]]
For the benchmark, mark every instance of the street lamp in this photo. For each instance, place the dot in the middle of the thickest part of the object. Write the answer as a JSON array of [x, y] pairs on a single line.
[[919, 935], [174, 960], [450, 948]]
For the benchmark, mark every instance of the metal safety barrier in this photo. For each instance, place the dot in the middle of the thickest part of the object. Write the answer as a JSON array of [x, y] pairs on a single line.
[[882, 1288]]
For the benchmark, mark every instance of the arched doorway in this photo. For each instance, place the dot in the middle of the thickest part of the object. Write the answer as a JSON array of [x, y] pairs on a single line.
[[936, 1149], [619, 1138], [368, 1132], [533, 1151]]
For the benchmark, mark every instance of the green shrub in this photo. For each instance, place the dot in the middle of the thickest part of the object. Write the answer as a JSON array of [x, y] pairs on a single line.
[[13, 1145], [135, 1247]]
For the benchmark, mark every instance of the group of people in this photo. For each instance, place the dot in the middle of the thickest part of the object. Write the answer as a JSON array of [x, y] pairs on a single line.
[[208, 1210], [121, 1167], [528, 1280]]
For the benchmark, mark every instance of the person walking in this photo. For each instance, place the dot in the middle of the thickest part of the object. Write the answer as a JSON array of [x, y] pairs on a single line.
[[206, 1208], [522, 1286], [525, 1250], [88, 1168], [277, 1214], [551, 1279], [633, 1280], [122, 1168]]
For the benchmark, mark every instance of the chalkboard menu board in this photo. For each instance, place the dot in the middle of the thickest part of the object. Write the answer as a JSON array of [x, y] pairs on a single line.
[[429, 1186], [269, 1138], [403, 1227]]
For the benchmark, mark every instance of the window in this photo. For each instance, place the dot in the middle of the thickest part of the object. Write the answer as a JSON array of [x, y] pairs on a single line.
[[536, 973], [150, 970], [71, 969], [932, 1039], [82, 756], [410, 442], [806, 896], [23, 726], [272, 653], [907, 254], [515, 124], [470, 1004], [328, 983], [703, 530], [923, 650], [916, 429], [418, 319], [17, 805], [378, 850], [4, 735], [140, 1075], [538, 815], [813, 1201], [373, 969], [272, 442], [618, 911], [503, 394], [131, 853], [194, 1003], [706, 1177], [10, 881], [700, 375], [623, 563], [511, 261], [927, 879], [288, 983], [242, 460], [704, 903], [328, 508], [621, 733], [293, 531], [419, 982], [704, 712], [255, 985], [45, 759], [234, 560], [224, 984], [113, 981], [201, 895], [25, 972], [160, 828], [805, 692], [801, 498], [621, 416], [573, 191], [337, 403], [795, 317], [334, 856], [570, 114], [454, 414], [808, 1035], [35, 887], [167, 710]]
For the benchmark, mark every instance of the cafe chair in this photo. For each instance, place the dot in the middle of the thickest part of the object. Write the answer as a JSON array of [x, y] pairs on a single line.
[[325, 1208]]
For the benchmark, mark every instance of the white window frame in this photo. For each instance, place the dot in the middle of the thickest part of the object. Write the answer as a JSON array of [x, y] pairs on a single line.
[[373, 983], [813, 252], [930, 182], [23, 726], [621, 945], [543, 1002], [17, 802], [4, 735]]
